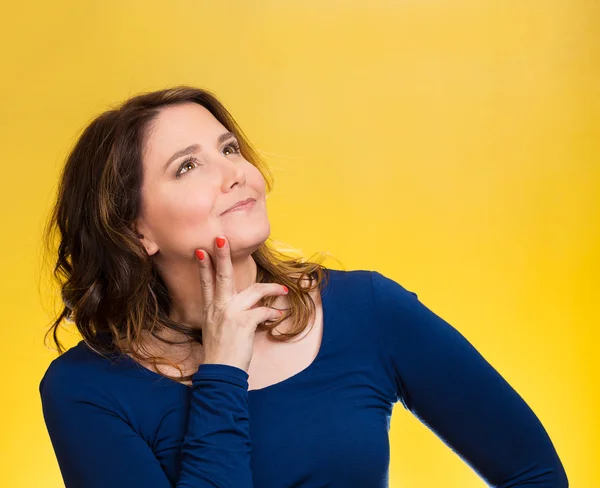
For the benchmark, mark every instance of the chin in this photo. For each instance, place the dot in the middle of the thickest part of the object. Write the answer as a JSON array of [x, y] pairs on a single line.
[[247, 239]]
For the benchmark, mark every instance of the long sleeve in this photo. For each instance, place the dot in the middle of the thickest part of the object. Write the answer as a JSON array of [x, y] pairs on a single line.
[[97, 447], [448, 385]]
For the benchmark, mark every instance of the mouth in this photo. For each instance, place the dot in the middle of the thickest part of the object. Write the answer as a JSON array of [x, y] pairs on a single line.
[[243, 205]]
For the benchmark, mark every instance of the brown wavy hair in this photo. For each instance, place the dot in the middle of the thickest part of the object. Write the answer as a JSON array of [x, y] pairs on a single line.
[[110, 288]]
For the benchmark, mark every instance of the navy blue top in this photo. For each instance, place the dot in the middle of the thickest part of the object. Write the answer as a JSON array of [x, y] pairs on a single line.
[[114, 423]]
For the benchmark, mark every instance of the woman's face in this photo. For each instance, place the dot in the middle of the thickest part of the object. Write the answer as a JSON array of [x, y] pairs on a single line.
[[184, 195]]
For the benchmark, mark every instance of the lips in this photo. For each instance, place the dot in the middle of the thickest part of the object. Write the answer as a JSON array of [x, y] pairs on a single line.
[[241, 203]]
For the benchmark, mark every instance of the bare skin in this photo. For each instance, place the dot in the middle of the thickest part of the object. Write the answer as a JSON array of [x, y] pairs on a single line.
[[272, 361], [182, 210]]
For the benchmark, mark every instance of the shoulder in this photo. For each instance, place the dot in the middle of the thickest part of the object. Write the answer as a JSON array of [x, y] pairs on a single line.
[[347, 279], [378, 300], [76, 363], [386, 288], [78, 375], [379, 286], [370, 297]]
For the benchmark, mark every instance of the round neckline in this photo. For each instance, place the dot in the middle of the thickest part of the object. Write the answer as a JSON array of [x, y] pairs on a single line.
[[317, 358], [323, 292]]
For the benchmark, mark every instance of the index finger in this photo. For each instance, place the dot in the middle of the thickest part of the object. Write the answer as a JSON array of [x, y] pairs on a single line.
[[206, 277], [224, 280]]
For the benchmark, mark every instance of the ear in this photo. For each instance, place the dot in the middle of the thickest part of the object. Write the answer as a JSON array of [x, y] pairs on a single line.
[[144, 234]]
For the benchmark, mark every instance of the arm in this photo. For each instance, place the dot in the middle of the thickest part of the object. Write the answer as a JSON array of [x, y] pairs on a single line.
[[447, 384], [96, 447]]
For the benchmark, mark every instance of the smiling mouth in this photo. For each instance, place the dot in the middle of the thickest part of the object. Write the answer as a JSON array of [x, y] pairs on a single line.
[[242, 206]]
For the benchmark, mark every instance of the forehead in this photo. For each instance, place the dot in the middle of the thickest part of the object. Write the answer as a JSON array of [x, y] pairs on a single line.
[[177, 126]]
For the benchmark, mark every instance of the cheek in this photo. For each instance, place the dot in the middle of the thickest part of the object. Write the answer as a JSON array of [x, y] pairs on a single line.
[[182, 213], [255, 180], [194, 210]]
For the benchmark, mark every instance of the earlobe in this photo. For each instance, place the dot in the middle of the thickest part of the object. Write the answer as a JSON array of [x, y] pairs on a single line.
[[147, 243], [150, 246]]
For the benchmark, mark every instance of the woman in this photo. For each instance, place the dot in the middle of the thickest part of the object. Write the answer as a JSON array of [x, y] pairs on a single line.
[[210, 360]]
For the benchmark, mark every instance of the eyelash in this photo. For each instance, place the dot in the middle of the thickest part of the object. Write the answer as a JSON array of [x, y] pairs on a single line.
[[234, 144]]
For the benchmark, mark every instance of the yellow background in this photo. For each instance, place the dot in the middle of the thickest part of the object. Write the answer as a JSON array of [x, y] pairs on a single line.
[[452, 145]]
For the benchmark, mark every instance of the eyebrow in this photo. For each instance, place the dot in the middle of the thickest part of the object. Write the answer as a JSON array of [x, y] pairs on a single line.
[[195, 148]]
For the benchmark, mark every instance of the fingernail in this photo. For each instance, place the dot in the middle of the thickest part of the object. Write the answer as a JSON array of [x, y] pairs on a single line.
[[285, 288], [199, 254], [220, 242]]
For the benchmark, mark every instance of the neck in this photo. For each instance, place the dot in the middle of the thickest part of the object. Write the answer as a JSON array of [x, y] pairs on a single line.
[[184, 286]]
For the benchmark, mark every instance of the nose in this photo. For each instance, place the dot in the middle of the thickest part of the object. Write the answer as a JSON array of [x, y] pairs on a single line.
[[233, 173]]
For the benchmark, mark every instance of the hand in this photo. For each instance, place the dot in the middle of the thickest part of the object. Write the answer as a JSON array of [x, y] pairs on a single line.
[[229, 321]]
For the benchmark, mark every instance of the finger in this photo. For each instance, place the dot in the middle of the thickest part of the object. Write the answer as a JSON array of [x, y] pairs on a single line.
[[224, 281], [206, 274], [262, 314], [248, 298]]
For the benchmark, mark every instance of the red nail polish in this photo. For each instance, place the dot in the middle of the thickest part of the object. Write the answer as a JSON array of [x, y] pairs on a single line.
[[199, 254], [285, 288], [220, 242]]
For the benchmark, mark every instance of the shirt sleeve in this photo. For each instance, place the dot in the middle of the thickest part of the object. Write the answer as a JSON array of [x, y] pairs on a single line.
[[96, 447], [448, 385]]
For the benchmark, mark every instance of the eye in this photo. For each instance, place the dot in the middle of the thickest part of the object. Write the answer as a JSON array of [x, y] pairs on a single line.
[[185, 163], [235, 145]]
